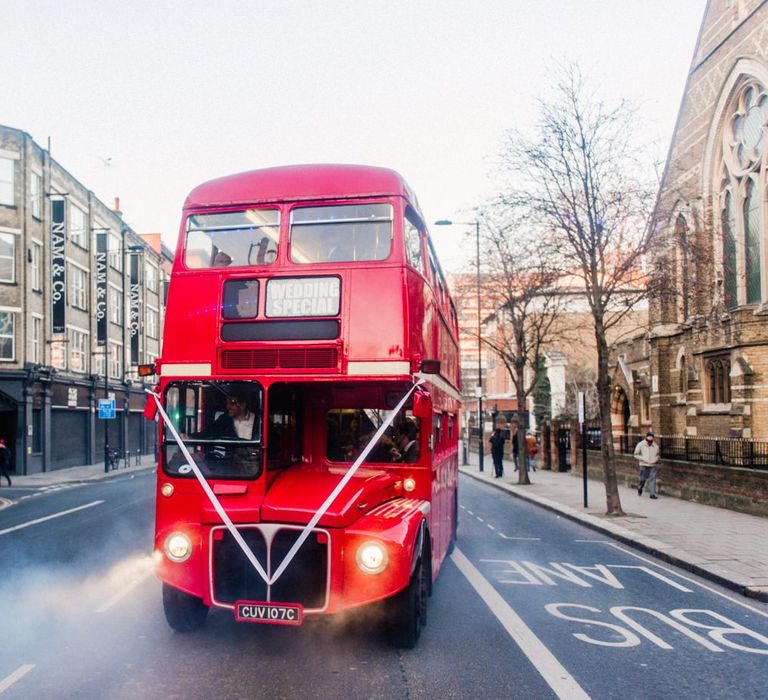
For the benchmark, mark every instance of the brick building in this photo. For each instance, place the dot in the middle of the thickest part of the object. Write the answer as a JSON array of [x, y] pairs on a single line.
[[704, 364], [80, 294]]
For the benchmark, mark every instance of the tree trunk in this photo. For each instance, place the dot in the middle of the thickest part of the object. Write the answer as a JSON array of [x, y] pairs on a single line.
[[612, 500], [522, 448]]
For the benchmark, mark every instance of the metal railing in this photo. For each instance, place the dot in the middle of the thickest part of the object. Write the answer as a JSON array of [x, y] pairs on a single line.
[[720, 451]]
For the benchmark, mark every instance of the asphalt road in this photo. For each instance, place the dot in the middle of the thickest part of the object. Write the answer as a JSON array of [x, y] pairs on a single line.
[[529, 606]]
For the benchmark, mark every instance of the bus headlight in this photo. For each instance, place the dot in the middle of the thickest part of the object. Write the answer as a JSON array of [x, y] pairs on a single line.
[[177, 547], [372, 557], [409, 483]]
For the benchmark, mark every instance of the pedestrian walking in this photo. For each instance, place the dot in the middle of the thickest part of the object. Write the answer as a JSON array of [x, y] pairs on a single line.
[[5, 461], [647, 454], [531, 450], [497, 452]]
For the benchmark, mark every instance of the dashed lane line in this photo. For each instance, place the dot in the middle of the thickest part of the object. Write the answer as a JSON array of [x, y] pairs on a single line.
[[18, 674], [49, 517], [525, 539], [124, 591], [544, 661]]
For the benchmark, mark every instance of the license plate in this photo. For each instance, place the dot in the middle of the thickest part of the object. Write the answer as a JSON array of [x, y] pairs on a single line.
[[269, 613]]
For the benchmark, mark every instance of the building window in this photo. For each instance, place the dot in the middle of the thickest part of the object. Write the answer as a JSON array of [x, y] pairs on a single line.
[[78, 233], [7, 182], [743, 156], [35, 344], [718, 370], [114, 249], [116, 306], [35, 277], [683, 378], [78, 286], [151, 323], [150, 272], [36, 195], [115, 361], [7, 336], [78, 342], [7, 257], [681, 239]]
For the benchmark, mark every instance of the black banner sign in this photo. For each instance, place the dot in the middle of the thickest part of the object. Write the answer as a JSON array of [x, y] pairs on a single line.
[[135, 306], [58, 267], [101, 288]]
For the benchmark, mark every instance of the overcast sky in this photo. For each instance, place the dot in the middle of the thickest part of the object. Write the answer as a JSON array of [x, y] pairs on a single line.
[[145, 100]]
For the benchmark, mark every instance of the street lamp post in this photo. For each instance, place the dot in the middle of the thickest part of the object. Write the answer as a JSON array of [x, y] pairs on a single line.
[[476, 224]]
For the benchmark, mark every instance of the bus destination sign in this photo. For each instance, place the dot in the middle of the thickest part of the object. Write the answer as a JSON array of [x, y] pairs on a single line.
[[303, 296]]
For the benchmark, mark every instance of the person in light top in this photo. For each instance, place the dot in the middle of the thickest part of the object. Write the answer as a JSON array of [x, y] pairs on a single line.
[[237, 422]]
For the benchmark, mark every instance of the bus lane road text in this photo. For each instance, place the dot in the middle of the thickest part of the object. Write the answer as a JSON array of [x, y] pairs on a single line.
[[621, 625]]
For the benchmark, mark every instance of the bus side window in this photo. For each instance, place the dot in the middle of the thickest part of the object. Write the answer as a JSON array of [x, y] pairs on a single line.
[[436, 425], [413, 244]]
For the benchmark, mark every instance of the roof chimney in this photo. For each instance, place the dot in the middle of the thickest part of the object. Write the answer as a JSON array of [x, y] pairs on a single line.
[[117, 206]]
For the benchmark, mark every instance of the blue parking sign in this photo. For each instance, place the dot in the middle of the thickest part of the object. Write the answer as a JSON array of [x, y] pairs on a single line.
[[106, 408]]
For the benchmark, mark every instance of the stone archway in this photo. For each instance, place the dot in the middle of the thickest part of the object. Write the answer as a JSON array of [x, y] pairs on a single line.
[[620, 412]]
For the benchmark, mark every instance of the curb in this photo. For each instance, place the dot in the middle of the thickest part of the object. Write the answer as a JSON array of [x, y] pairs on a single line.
[[625, 536]]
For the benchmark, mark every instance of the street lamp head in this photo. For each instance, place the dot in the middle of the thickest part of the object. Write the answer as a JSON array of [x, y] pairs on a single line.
[[443, 222]]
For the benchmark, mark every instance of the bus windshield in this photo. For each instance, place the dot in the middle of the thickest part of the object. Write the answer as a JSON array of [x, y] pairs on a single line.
[[343, 233], [232, 239], [220, 424]]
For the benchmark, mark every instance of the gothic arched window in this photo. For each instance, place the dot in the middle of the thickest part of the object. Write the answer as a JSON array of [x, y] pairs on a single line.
[[742, 180], [682, 386], [719, 378], [681, 241]]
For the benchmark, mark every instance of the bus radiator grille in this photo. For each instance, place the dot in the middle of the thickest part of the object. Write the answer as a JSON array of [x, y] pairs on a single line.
[[293, 358], [304, 581]]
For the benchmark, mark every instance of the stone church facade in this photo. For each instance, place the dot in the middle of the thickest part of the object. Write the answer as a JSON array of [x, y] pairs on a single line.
[[702, 370]]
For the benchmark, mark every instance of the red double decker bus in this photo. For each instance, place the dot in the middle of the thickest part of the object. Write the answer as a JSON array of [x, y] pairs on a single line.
[[308, 389]]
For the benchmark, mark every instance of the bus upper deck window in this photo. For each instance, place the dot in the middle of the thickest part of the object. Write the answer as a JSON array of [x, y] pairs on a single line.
[[342, 233], [232, 239]]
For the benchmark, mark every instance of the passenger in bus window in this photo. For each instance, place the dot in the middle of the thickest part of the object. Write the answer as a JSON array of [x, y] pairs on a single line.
[[221, 259]]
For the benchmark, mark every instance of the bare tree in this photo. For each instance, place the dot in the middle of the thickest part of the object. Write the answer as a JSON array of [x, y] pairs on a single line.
[[585, 180], [522, 281]]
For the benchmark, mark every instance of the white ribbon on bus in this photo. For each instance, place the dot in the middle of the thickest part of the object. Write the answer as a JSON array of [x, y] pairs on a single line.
[[315, 518]]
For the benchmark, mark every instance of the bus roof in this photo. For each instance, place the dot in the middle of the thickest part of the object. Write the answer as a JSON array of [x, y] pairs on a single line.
[[300, 182]]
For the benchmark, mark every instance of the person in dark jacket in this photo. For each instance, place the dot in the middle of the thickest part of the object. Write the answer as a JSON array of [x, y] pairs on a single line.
[[5, 461], [497, 452]]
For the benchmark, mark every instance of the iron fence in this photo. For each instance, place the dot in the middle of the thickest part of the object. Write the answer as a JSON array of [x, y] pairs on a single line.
[[720, 451]]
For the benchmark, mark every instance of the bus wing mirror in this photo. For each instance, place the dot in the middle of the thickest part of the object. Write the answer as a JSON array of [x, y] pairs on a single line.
[[422, 405], [150, 407]]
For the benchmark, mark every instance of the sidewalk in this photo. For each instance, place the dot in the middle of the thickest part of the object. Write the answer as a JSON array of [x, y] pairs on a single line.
[[87, 472], [721, 545]]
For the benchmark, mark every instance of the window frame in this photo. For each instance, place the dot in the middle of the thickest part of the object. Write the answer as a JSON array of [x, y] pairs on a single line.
[[12, 257], [8, 182]]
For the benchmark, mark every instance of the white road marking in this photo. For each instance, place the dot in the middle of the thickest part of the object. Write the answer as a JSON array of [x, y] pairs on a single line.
[[123, 592], [480, 519], [49, 517], [689, 579], [489, 526], [544, 661], [470, 512], [19, 673], [530, 539]]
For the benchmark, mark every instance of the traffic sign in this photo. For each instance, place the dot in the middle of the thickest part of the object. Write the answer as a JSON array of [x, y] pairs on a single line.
[[106, 408]]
